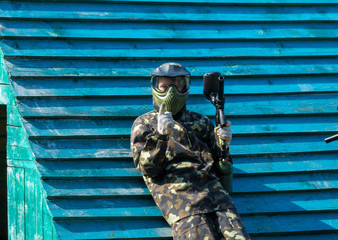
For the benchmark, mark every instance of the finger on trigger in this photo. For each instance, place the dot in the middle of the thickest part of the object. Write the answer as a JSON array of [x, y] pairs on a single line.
[[228, 124]]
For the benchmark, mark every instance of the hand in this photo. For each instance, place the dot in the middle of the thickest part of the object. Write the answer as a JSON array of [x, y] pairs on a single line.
[[165, 121], [225, 133]]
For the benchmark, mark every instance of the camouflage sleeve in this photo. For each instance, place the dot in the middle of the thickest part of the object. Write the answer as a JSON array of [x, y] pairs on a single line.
[[212, 141], [148, 148]]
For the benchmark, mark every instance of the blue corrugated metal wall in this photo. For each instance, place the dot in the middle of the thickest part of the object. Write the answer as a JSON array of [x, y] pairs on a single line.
[[80, 71]]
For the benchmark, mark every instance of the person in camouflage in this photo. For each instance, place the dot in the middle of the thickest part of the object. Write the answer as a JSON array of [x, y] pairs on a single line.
[[174, 149]]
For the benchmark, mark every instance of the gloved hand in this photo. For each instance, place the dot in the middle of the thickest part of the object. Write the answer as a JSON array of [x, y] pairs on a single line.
[[165, 121], [225, 133]]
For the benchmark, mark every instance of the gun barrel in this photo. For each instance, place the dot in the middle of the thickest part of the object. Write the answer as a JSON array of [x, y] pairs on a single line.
[[221, 88], [331, 139]]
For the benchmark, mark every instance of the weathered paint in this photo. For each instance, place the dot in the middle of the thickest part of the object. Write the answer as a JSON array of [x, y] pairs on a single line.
[[147, 11], [4, 79], [3, 174], [61, 128], [235, 86], [242, 184], [141, 30], [237, 106], [25, 195], [17, 137], [245, 146], [145, 207], [80, 73], [263, 165], [73, 48], [105, 68]]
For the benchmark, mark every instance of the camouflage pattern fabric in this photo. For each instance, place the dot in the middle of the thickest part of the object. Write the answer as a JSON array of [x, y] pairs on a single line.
[[178, 168], [211, 226]]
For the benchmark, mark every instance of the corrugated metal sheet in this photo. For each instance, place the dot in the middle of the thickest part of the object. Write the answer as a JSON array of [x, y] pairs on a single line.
[[80, 71]]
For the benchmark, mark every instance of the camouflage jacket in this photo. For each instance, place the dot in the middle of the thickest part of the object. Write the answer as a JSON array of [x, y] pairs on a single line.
[[178, 168]]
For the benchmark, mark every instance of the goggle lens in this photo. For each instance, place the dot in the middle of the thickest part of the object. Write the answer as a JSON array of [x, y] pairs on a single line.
[[162, 83]]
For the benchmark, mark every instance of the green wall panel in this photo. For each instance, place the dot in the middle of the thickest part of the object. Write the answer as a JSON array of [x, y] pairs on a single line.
[[28, 214], [4, 78], [17, 137], [6, 94], [16, 178]]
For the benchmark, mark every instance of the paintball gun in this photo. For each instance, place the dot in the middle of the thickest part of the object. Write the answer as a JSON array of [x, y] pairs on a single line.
[[214, 91], [331, 139]]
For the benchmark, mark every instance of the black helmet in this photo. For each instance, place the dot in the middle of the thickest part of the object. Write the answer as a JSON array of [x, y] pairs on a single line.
[[170, 70]]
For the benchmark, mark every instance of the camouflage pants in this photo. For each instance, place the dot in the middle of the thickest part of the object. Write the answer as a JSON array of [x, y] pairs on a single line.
[[219, 225]]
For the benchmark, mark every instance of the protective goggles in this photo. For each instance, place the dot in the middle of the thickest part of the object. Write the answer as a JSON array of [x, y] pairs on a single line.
[[161, 83]]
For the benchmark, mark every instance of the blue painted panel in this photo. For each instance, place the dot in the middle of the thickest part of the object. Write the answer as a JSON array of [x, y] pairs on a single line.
[[295, 223], [98, 187], [235, 106], [103, 128], [105, 229], [105, 208], [174, 30], [273, 164], [91, 48], [121, 229], [145, 207], [288, 2], [75, 169], [304, 236], [80, 70], [147, 11], [125, 168], [131, 186], [102, 148], [234, 85], [87, 68]]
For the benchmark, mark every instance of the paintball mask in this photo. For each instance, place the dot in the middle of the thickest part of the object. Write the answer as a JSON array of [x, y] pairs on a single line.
[[170, 84]]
